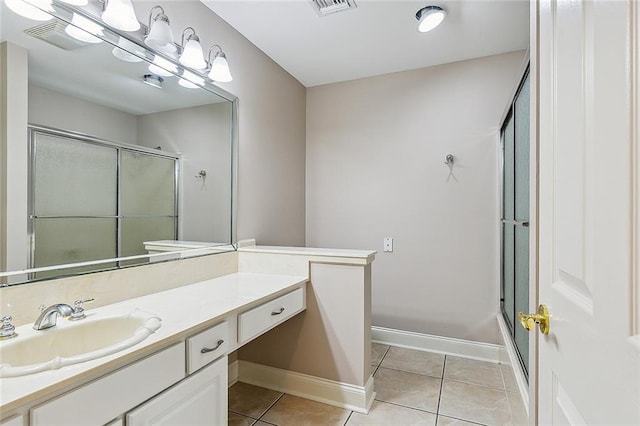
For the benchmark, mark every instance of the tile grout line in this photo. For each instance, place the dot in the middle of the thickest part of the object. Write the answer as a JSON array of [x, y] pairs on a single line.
[[444, 366], [270, 407], [348, 417]]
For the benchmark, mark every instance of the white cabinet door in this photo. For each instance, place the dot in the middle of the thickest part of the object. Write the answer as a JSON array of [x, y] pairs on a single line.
[[15, 421], [589, 363], [201, 399]]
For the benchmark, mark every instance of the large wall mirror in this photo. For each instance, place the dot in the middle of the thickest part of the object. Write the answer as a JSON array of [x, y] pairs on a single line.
[[125, 161]]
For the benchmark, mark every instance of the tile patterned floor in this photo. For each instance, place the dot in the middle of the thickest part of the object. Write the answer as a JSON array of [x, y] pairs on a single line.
[[412, 387]]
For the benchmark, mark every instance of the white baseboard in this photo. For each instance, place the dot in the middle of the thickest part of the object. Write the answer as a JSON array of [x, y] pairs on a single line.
[[233, 373], [514, 362], [445, 345], [343, 395]]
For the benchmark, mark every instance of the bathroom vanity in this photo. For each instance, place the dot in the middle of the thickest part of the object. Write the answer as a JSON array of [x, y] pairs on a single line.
[[262, 295]]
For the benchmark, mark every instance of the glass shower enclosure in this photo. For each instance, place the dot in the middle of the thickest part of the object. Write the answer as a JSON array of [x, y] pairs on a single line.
[[515, 219], [94, 199]]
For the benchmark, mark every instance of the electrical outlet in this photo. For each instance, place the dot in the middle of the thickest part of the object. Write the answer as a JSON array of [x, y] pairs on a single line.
[[388, 244]]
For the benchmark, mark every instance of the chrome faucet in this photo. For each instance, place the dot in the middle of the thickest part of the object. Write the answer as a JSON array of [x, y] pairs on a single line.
[[47, 318]]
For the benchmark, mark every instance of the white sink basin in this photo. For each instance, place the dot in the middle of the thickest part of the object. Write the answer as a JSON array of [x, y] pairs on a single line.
[[72, 342]]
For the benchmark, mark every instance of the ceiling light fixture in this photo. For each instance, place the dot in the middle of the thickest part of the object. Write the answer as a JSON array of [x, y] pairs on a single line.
[[35, 9], [120, 15], [159, 35], [191, 55], [219, 66], [430, 17], [84, 29], [153, 80]]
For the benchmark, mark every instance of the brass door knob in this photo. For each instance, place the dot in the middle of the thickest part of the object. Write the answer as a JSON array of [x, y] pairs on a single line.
[[529, 321]]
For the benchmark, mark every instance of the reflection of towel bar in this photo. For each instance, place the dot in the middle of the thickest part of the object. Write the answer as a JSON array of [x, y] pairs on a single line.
[[516, 222]]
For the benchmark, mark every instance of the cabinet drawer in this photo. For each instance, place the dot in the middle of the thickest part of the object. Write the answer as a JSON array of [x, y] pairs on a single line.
[[256, 321], [207, 346], [108, 397]]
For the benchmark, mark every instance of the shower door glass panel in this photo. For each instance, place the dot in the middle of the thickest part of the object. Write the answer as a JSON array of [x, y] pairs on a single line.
[[515, 219], [72, 182], [148, 202], [70, 240], [74, 179], [148, 185]]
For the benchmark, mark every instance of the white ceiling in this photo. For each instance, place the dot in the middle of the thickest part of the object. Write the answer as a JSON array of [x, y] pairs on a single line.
[[378, 37]]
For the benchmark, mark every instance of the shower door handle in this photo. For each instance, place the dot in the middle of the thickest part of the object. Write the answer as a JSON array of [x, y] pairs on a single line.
[[524, 223]]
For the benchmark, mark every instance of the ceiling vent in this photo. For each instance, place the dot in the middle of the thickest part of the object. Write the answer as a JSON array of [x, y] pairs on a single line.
[[325, 7], [53, 33]]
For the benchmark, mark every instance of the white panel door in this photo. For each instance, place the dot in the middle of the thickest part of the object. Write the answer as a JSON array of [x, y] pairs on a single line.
[[589, 363]]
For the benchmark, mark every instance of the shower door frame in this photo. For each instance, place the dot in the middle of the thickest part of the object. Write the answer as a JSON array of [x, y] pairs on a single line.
[[33, 130], [510, 114]]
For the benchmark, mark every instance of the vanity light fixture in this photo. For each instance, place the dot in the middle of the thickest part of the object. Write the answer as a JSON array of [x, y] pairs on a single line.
[[190, 80], [120, 15], [219, 66], [122, 51], [159, 35], [153, 80], [430, 17], [161, 66], [83, 29], [34, 9], [191, 55], [76, 2]]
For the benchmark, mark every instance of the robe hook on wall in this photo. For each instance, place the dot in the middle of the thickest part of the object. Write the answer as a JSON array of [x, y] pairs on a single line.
[[449, 159]]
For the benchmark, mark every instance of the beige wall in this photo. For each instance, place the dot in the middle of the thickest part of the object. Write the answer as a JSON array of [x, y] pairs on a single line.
[[54, 109], [375, 168], [271, 128], [201, 135]]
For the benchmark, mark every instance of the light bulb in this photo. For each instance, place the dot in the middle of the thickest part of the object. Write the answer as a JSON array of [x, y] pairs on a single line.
[[120, 14], [122, 51], [35, 10], [190, 80], [160, 36], [84, 29], [192, 56], [162, 67], [220, 69]]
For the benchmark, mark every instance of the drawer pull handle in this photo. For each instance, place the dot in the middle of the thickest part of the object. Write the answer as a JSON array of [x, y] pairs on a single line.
[[278, 312], [207, 350]]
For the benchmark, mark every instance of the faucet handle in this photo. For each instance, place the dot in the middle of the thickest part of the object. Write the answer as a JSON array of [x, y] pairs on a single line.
[[8, 330], [78, 310]]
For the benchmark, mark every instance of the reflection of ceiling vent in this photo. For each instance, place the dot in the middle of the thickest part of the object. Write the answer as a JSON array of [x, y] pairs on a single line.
[[325, 7], [53, 33]]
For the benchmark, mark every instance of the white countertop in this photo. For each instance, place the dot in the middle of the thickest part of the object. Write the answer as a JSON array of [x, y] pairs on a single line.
[[184, 311], [310, 251]]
